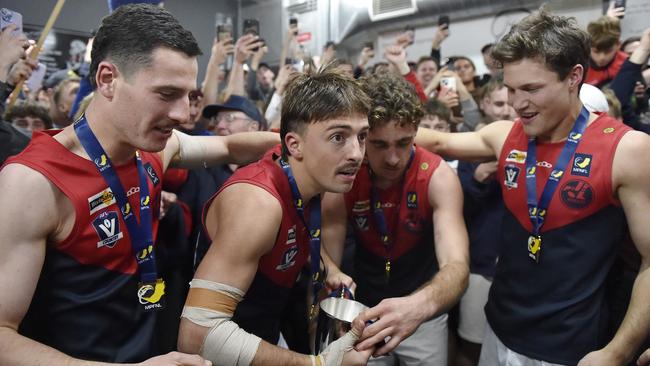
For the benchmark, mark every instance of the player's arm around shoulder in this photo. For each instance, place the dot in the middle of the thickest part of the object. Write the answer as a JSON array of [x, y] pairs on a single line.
[[242, 221], [187, 151], [484, 144], [29, 215]]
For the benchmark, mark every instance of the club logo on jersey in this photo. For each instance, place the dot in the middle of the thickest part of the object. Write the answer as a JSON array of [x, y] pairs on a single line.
[[291, 235], [577, 194], [581, 165], [107, 226], [424, 166], [151, 172], [362, 222], [414, 224], [544, 164], [101, 200], [102, 163], [412, 200], [132, 191], [511, 174], [361, 206], [516, 156], [288, 259], [609, 130]]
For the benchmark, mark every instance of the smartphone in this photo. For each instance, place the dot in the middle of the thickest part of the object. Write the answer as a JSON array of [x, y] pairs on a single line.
[[252, 26], [443, 20], [370, 45], [11, 17], [448, 82], [35, 81], [619, 4], [449, 64], [224, 31], [293, 22]]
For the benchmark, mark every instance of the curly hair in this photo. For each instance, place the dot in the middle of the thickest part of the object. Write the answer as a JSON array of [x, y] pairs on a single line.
[[24, 109], [392, 99]]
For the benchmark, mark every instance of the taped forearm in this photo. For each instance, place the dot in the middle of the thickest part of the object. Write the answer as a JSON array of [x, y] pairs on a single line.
[[211, 305]]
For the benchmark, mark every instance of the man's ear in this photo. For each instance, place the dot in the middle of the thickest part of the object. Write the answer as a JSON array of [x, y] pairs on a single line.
[[294, 143], [107, 72], [576, 76]]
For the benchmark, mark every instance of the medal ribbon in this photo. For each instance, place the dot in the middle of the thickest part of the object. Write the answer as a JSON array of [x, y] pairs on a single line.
[[313, 226], [537, 211], [141, 234], [380, 217]]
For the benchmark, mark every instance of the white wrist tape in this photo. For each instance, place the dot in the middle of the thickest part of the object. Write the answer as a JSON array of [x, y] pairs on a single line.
[[225, 343], [192, 151], [333, 354]]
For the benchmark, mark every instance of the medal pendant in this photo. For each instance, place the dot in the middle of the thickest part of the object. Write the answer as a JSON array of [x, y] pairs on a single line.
[[151, 295], [534, 247], [387, 270]]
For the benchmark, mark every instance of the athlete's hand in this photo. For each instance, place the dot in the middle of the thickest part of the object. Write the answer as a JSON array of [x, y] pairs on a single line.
[[337, 279], [176, 359], [397, 318], [602, 357], [341, 351]]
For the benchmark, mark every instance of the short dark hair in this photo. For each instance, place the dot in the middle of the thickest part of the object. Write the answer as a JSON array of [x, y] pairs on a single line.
[[487, 89], [129, 35], [556, 40], [424, 59], [24, 109], [392, 99], [456, 58], [487, 48], [435, 108], [320, 96]]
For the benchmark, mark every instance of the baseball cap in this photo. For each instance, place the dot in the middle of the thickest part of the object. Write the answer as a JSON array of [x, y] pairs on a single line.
[[237, 103]]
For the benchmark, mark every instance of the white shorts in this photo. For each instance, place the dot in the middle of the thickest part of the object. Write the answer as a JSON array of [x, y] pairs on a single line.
[[472, 321], [426, 347], [495, 353]]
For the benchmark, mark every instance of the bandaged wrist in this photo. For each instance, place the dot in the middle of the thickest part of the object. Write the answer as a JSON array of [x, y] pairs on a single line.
[[192, 152], [211, 305], [333, 354]]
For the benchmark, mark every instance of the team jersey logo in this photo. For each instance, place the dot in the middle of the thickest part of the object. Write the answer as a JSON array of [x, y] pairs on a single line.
[[362, 222], [291, 235], [101, 200], [288, 259], [107, 226], [516, 156], [609, 130], [424, 166], [412, 200], [577, 194], [361, 206], [581, 165], [511, 175], [151, 172]]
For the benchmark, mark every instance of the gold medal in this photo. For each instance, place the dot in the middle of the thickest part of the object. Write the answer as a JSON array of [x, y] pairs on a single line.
[[534, 247], [387, 270]]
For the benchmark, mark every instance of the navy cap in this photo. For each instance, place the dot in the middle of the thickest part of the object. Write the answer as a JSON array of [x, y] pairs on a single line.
[[237, 103]]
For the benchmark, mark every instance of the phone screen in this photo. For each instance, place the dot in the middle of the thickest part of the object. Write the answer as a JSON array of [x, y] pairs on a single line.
[[224, 31], [251, 26]]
